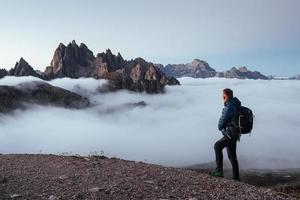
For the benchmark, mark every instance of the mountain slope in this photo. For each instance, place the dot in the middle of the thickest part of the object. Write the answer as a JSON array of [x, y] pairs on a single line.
[[60, 177], [38, 92]]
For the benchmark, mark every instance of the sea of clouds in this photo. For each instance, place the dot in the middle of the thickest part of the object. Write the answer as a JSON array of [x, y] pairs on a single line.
[[177, 128]]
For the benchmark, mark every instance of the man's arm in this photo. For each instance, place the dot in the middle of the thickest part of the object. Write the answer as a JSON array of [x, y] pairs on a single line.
[[227, 114]]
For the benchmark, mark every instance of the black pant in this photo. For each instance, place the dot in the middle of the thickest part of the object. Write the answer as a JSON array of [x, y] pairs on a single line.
[[230, 145]]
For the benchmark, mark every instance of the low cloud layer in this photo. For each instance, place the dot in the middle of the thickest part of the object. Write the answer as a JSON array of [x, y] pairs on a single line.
[[177, 128]]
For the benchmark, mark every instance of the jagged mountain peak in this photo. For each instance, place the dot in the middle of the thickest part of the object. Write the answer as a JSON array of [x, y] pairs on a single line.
[[83, 46], [22, 68], [61, 45], [22, 60], [109, 52], [22, 63], [243, 69], [78, 61], [73, 43], [197, 62]]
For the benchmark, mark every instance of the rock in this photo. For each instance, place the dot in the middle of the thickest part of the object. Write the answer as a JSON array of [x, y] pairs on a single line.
[[140, 76], [96, 189], [86, 159], [107, 62], [172, 81], [136, 73], [63, 177], [137, 104], [120, 80], [241, 73], [38, 92], [22, 68], [53, 197], [15, 196]]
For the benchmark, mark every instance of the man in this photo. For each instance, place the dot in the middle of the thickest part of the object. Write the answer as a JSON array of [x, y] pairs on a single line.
[[228, 125]]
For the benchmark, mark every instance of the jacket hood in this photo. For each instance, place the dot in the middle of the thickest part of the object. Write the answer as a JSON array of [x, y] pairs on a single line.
[[234, 101]]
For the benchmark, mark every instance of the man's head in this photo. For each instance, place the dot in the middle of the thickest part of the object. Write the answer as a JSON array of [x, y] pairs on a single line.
[[227, 94]]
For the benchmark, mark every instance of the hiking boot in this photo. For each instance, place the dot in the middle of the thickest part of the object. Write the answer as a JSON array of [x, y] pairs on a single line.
[[216, 173]]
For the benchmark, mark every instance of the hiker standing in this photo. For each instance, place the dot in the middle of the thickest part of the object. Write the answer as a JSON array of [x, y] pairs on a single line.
[[228, 126]]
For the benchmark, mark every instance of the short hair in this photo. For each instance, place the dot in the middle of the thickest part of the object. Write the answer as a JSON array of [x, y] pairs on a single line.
[[228, 92]]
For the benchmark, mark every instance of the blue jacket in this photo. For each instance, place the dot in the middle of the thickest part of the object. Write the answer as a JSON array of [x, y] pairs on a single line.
[[229, 114]]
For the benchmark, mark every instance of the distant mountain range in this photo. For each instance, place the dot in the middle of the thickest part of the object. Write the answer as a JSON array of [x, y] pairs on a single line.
[[297, 77], [76, 61], [197, 69], [201, 69]]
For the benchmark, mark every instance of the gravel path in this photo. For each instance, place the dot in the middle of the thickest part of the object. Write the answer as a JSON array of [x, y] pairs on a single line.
[[70, 177]]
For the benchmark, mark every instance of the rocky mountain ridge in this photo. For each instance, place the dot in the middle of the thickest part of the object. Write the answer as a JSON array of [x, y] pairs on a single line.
[[197, 69], [241, 73], [22, 68], [201, 69], [76, 61], [38, 93], [297, 77]]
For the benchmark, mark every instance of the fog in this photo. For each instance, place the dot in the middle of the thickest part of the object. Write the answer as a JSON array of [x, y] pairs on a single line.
[[177, 128]]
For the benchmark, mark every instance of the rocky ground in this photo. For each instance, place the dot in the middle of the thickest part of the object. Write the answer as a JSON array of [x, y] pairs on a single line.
[[72, 177], [282, 180], [286, 180], [97, 177]]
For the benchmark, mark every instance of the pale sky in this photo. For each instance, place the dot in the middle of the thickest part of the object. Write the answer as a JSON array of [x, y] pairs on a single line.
[[261, 34]]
